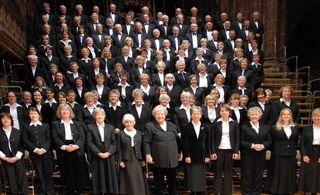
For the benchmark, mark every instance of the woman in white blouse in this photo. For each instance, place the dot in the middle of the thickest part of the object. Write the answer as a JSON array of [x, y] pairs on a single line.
[[238, 114], [69, 138], [282, 173], [210, 110], [102, 146]]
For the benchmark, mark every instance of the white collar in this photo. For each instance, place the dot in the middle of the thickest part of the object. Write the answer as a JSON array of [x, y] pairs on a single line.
[[17, 105], [62, 122], [220, 119], [182, 107], [53, 101], [35, 124], [118, 104]]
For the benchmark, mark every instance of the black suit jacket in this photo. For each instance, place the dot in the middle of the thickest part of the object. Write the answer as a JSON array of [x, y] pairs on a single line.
[[188, 37], [128, 66], [118, 19], [45, 62], [16, 142], [156, 80], [118, 43], [182, 81], [162, 145], [247, 73], [150, 30], [282, 145], [99, 43], [163, 33], [125, 30], [249, 136], [105, 94], [64, 63], [37, 137], [180, 117], [78, 133], [243, 116], [172, 41], [205, 115], [234, 134], [197, 148], [153, 43], [174, 94], [94, 142], [199, 95], [277, 106], [125, 147], [247, 92], [306, 147], [144, 118], [134, 36], [30, 78], [126, 99]]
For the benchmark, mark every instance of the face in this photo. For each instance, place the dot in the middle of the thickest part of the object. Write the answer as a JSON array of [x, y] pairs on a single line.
[[59, 78], [6, 121], [243, 102], [37, 97], [96, 63], [196, 115], [27, 97], [160, 68], [71, 97], [129, 124], [49, 94], [90, 100], [235, 101], [62, 99], [160, 117], [211, 101], [169, 80], [12, 98], [261, 97], [254, 116], [100, 117], [138, 100], [113, 98], [65, 113], [286, 116], [286, 93], [241, 82], [224, 113], [219, 81], [34, 116], [164, 101], [185, 100], [79, 83], [193, 81], [316, 119], [144, 81]]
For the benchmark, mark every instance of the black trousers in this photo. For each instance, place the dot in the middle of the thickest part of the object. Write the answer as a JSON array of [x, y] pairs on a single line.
[[223, 185], [16, 175], [252, 167], [43, 167], [159, 174]]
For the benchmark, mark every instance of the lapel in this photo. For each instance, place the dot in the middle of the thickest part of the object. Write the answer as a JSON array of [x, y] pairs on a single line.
[[96, 131], [62, 130], [3, 134], [158, 127]]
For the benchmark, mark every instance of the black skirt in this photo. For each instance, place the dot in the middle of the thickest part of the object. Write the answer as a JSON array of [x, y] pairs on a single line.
[[132, 178], [282, 175], [310, 173], [196, 177], [104, 175]]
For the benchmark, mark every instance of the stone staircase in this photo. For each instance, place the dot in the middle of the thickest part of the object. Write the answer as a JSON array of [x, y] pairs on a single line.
[[277, 75]]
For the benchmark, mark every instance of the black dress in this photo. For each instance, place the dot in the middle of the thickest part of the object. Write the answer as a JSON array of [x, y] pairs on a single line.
[[104, 175], [197, 148], [282, 172], [310, 173], [132, 177]]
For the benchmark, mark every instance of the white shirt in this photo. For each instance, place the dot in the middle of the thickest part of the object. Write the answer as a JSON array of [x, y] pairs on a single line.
[[221, 91], [212, 115], [91, 109], [225, 143], [170, 87], [167, 54], [67, 130], [99, 90], [80, 91], [164, 126], [237, 113], [197, 128], [203, 81], [113, 17], [128, 26], [316, 136], [146, 90], [139, 110], [157, 44], [176, 42], [209, 35], [131, 134], [101, 131], [287, 103], [255, 127], [262, 105], [161, 77], [187, 110], [33, 70], [194, 41], [14, 114], [139, 40], [288, 131]]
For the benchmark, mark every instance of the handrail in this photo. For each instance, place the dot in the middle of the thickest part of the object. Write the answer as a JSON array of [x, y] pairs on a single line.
[[296, 65], [302, 68]]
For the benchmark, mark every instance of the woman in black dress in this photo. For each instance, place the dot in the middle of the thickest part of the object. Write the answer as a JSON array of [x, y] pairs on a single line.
[[196, 151], [161, 149], [37, 139], [310, 156], [69, 139], [225, 149], [132, 178], [11, 155], [255, 140], [102, 146], [282, 173]]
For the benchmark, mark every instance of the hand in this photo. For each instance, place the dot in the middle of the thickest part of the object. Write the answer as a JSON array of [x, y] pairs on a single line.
[[12, 160], [39, 152], [188, 160], [319, 160], [102, 155], [116, 130], [214, 157], [122, 165], [149, 159], [143, 163], [306, 159], [235, 156], [180, 156], [107, 154], [206, 160]]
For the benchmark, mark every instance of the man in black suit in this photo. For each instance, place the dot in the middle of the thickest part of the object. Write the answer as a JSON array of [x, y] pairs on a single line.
[[118, 37], [101, 19], [46, 11], [98, 38], [258, 27], [243, 34], [219, 21], [174, 20], [79, 12], [63, 13], [109, 27], [165, 28], [182, 26], [175, 39], [194, 37], [147, 26], [238, 23], [156, 40], [138, 35], [224, 33], [213, 44], [181, 76], [128, 27], [230, 43], [92, 26], [116, 18], [126, 61], [32, 70]]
